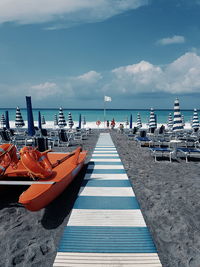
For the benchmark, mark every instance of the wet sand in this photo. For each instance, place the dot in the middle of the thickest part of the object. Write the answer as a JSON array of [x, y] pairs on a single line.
[[168, 194]]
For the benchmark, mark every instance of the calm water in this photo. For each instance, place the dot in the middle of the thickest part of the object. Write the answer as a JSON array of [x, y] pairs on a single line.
[[92, 115]]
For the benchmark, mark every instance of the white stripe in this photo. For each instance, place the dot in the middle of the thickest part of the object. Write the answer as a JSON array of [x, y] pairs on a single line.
[[104, 151], [106, 191], [114, 160], [107, 259], [105, 155], [104, 176], [106, 167], [92, 217]]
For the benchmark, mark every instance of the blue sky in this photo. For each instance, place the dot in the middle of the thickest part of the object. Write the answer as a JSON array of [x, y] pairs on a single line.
[[72, 52]]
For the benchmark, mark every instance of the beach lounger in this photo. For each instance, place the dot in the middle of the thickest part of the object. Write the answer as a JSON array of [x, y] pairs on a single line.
[[161, 152], [189, 152], [143, 141]]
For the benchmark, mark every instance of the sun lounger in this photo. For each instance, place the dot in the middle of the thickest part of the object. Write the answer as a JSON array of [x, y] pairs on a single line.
[[189, 152], [143, 140], [161, 152]]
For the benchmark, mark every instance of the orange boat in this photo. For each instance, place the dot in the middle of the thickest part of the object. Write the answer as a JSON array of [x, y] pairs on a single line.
[[55, 171]]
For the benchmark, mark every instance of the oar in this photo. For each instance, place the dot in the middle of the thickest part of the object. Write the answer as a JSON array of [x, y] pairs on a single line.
[[63, 159]]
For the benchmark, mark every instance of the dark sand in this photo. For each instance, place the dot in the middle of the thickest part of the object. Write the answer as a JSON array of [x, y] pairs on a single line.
[[168, 194]]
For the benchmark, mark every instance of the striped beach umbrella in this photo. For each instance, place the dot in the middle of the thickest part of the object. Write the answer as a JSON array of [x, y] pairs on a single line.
[[79, 121], [195, 121], [19, 122], [43, 120], [126, 122], [70, 121], [55, 121], [152, 120], [3, 121], [61, 119], [170, 121], [139, 122], [178, 125], [7, 119]]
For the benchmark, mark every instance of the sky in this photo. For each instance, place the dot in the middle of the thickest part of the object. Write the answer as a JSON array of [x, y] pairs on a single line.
[[70, 53]]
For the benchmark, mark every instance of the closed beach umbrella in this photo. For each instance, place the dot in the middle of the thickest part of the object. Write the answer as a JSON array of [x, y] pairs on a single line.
[[61, 119], [39, 120], [43, 120], [84, 121], [126, 122], [7, 120], [70, 121], [152, 120], [177, 126], [19, 122], [55, 121], [79, 122], [31, 129], [195, 121], [131, 122], [170, 121], [3, 121], [139, 123]]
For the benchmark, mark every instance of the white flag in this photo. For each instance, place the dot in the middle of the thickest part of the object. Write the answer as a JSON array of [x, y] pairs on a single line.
[[107, 98]]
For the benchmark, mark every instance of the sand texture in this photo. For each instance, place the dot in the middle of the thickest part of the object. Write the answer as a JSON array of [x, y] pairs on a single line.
[[168, 194]]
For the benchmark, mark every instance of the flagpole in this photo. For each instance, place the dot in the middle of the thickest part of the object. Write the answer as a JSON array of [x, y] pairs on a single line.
[[104, 113]]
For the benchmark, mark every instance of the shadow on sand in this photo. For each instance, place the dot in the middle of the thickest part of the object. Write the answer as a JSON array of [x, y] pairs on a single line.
[[57, 211]]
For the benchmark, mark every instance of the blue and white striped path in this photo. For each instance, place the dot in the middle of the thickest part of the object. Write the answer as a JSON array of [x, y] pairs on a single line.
[[106, 226]]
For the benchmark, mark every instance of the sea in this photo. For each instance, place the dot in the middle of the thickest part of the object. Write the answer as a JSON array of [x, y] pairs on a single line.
[[93, 115]]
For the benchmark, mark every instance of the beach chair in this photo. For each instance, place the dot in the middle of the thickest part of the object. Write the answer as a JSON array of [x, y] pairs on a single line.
[[188, 152], [161, 152], [143, 141], [63, 140]]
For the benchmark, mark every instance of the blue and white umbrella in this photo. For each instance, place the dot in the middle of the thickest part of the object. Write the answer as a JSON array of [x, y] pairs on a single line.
[[131, 122], [61, 119], [178, 125], [3, 120], [195, 121], [55, 121], [170, 121], [139, 122], [152, 120], [19, 122], [70, 121], [43, 120]]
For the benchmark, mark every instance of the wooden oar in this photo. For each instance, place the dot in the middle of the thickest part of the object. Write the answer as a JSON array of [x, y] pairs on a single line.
[[63, 159]]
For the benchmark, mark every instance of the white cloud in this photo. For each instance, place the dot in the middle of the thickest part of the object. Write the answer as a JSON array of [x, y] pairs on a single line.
[[176, 39], [90, 77], [68, 11], [44, 90]]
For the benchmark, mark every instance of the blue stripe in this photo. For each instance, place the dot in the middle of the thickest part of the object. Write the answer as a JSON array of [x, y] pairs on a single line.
[[105, 163], [105, 157], [101, 202], [106, 183], [106, 240], [106, 171]]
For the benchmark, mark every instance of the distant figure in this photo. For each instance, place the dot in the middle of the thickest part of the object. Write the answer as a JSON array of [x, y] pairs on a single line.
[[161, 130], [112, 123], [121, 128], [107, 124]]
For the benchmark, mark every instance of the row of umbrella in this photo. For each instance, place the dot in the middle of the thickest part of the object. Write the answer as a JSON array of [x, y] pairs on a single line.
[[175, 123], [58, 120]]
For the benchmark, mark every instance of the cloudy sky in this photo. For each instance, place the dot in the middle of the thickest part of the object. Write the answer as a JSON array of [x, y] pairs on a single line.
[[142, 53]]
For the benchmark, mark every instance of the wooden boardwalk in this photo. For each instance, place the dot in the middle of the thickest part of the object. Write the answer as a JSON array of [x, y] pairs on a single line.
[[106, 226]]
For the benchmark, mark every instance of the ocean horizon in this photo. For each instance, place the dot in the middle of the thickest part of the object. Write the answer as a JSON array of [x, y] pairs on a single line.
[[92, 115]]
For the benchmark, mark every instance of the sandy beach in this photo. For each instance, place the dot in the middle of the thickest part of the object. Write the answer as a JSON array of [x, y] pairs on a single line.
[[167, 193]]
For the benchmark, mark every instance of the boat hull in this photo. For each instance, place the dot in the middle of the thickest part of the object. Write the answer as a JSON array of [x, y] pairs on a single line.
[[37, 196]]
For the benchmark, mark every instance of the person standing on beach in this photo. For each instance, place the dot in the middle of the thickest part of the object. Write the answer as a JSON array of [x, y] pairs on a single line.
[[107, 124]]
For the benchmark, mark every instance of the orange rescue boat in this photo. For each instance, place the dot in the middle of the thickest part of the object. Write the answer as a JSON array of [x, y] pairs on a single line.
[[50, 172]]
